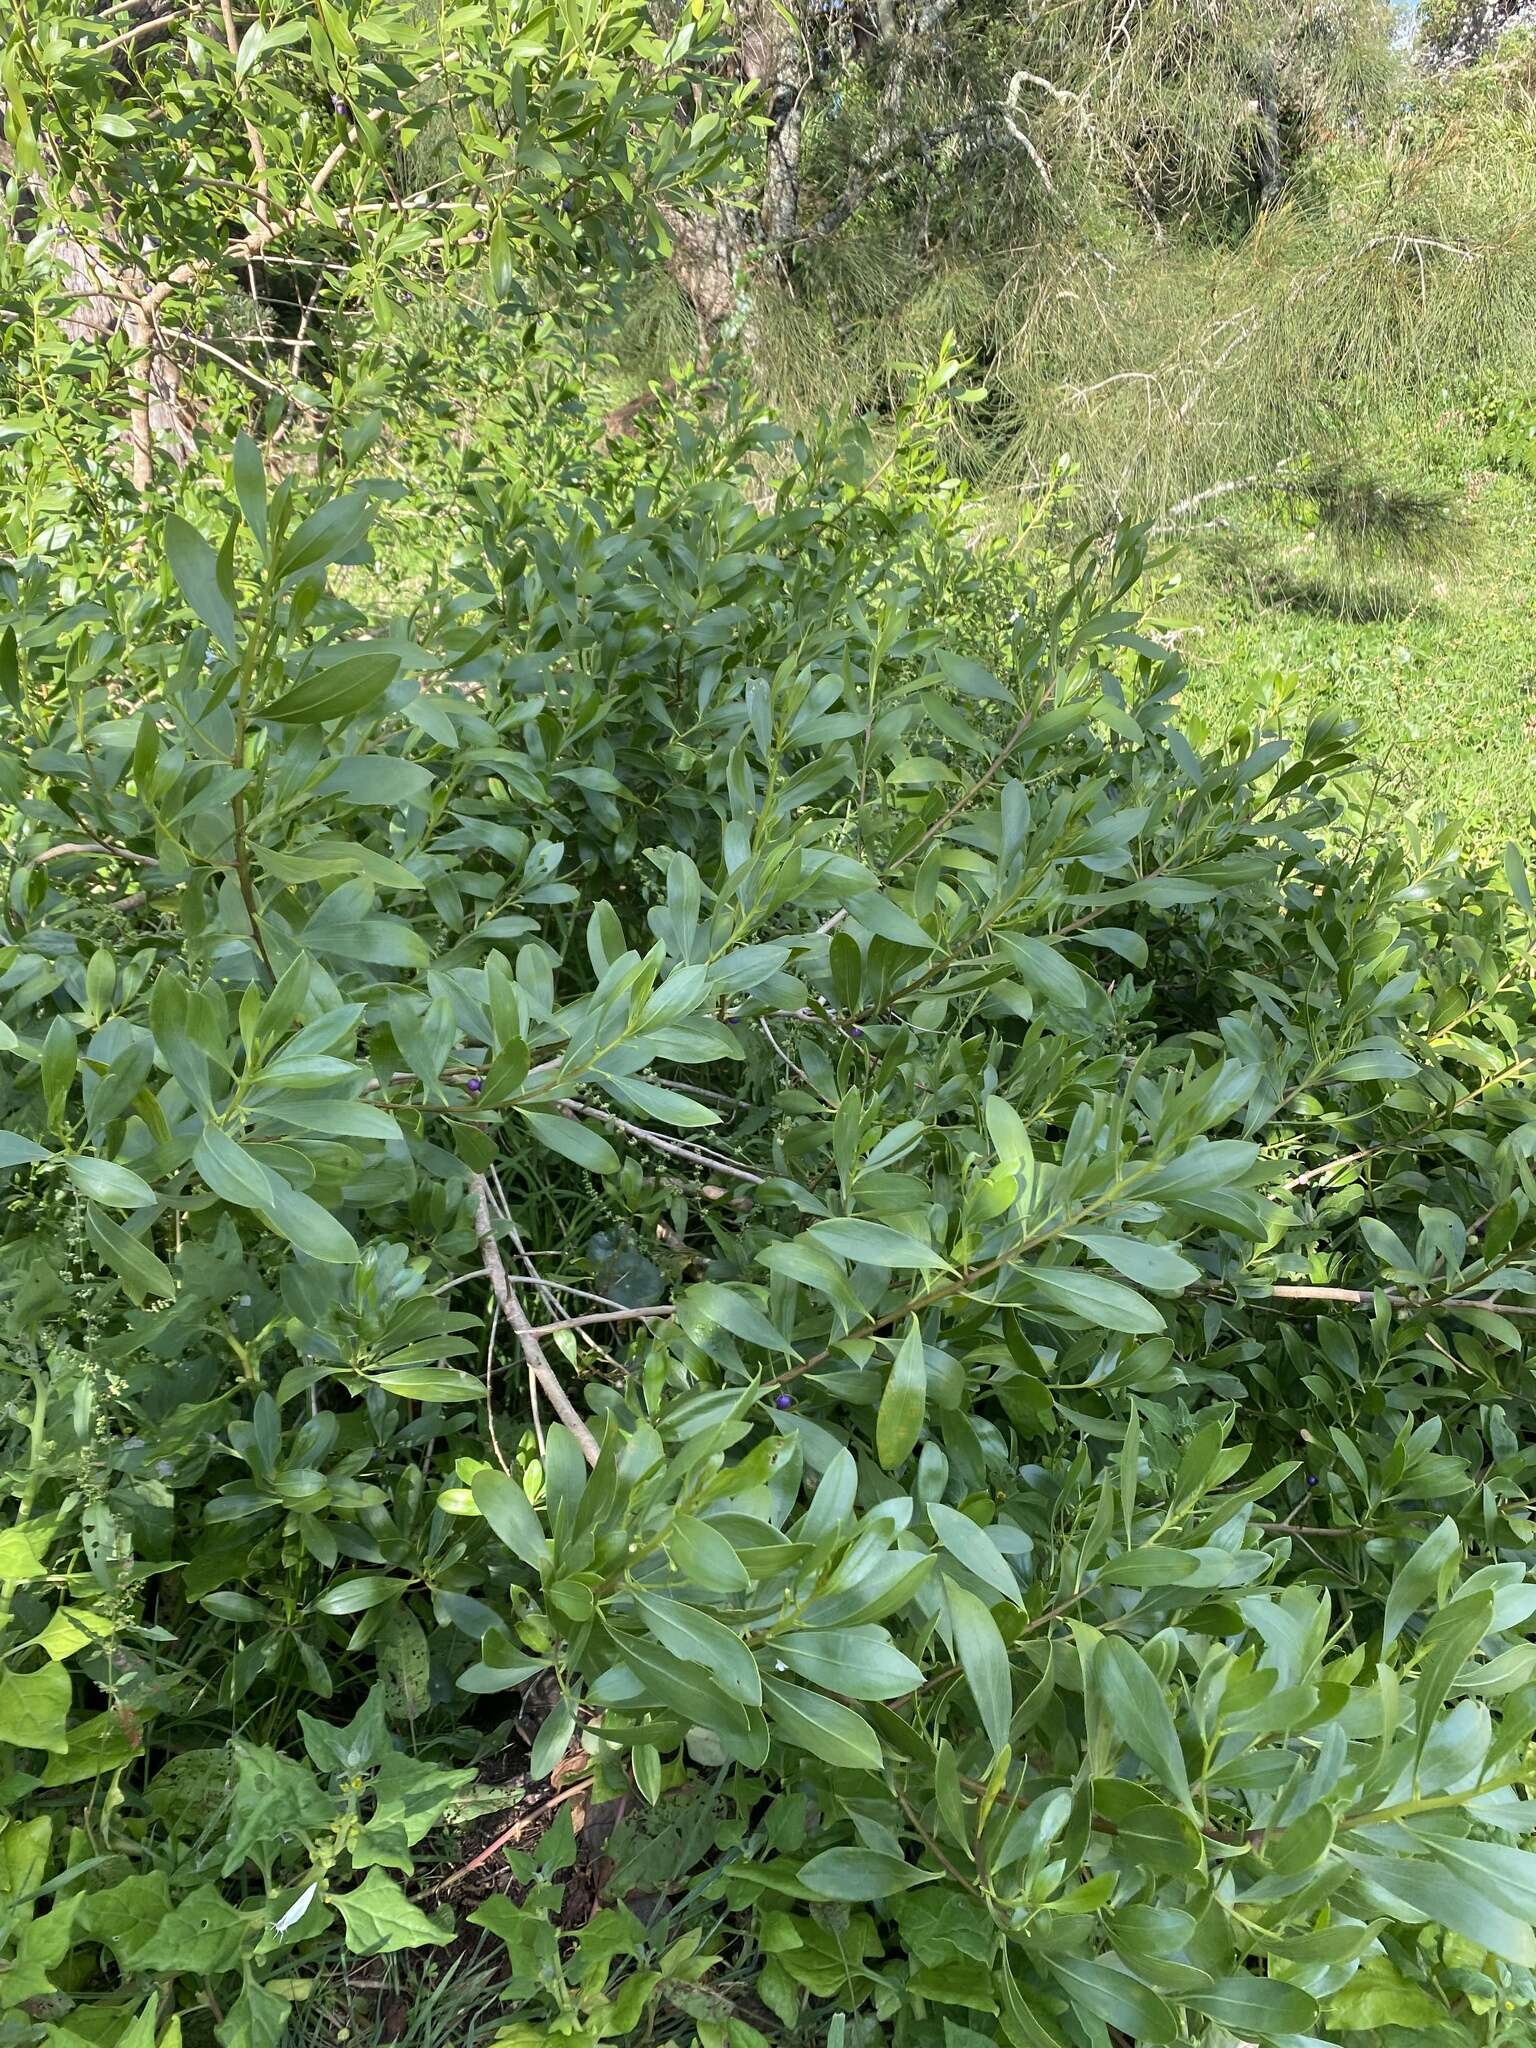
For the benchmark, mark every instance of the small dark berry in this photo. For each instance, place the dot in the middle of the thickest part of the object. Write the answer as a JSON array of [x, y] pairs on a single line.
[[1311, 1479], [857, 1030], [474, 1084], [783, 1400]]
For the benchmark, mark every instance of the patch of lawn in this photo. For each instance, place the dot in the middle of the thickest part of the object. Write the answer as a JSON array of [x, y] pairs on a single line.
[[1438, 669]]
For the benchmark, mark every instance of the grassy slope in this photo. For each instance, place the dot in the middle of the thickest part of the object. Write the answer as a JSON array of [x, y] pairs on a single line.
[[1443, 687]]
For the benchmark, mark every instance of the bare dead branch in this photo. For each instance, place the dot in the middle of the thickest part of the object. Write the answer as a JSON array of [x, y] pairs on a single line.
[[533, 1352], [674, 1148]]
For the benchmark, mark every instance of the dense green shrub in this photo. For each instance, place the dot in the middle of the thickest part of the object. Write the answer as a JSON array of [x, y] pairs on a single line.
[[1060, 1213]]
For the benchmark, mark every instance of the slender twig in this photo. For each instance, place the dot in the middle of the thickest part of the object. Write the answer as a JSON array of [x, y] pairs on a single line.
[[544, 1294], [915, 1821], [1010, 114], [244, 878], [549, 1287], [609, 1315], [300, 342], [1062, 1607], [1410, 1137], [533, 1352], [546, 1289], [535, 1417], [490, 1393], [97, 847], [241, 369], [525, 1814], [247, 247], [1367, 1298], [974, 789], [129, 35], [1185, 506], [1349, 1535], [915, 1306], [252, 132], [675, 1148], [798, 1071]]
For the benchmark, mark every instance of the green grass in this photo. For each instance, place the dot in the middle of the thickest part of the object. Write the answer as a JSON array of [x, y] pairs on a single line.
[[1437, 667], [1442, 681]]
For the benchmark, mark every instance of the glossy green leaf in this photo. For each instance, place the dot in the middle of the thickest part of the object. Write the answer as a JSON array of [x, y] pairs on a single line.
[[356, 1595], [1115, 1997], [974, 1548], [982, 1657], [699, 1639], [340, 690], [862, 1663], [708, 1305], [1136, 1707], [706, 1557], [307, 1227], [1256, 2006], [904, 1401], [1102, 1302], [104, 1181], [195, 567], [428, 1383], [874, 1244], [855, 1875], [142, 1268], [825, 1728], [570, 1139], [1432, 1892], [15, 1150], [249, 479], [506, 1507], [1414, 1586]]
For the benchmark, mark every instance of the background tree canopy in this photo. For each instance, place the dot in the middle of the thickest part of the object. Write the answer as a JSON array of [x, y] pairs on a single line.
[[1129, 215], [743, 1298]]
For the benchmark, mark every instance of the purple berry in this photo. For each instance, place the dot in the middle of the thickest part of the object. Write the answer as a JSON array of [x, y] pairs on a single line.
[[1311, 1479], [474, 1084], [783, 1400]]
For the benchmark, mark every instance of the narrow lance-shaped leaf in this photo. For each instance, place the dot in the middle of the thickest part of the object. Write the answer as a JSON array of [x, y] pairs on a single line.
[[903, 1403], [1136, 1708], [983, 1658], [196, 569]]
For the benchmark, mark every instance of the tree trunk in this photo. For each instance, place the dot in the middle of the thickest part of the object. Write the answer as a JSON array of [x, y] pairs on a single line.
[[775, 57], [108, 301], [712, 253], [106, 297], [708, 250]]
